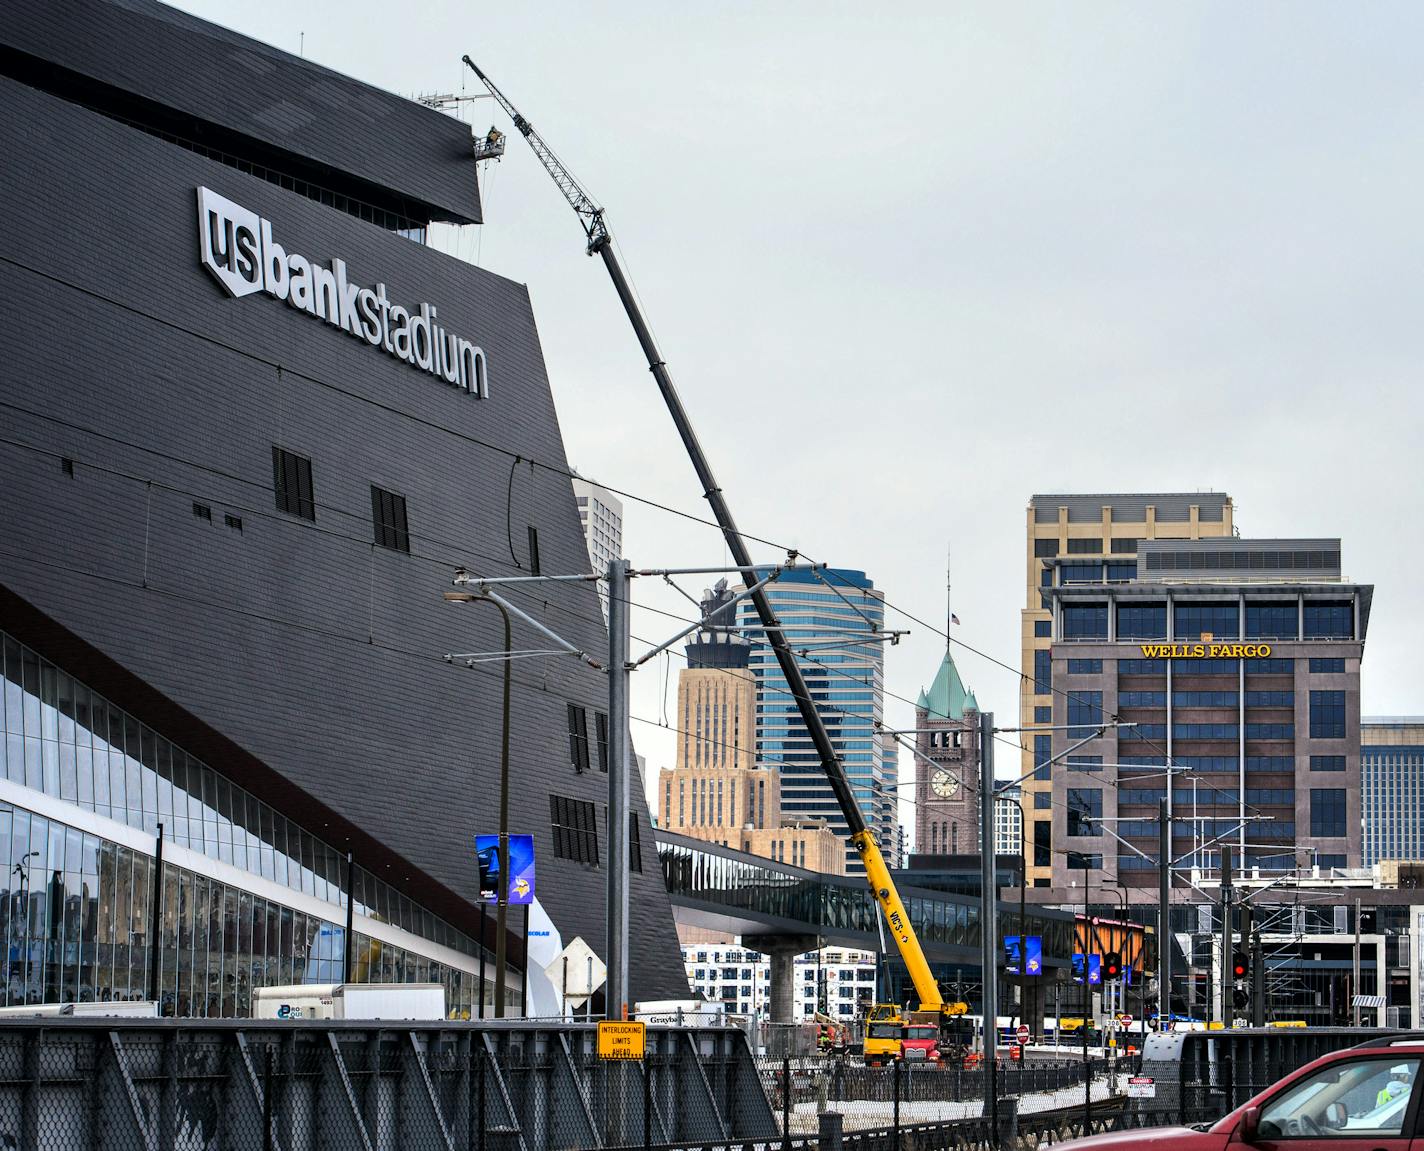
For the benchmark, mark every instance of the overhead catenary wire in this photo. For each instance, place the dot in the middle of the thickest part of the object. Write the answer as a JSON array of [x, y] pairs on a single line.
[[561, 470], [444, 429], [441, 560]]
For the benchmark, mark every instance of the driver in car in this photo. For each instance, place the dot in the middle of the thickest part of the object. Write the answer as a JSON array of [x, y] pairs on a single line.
[[1397, 1085]]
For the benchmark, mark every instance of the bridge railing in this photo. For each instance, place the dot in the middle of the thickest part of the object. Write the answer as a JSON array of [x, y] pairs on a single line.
[[102, 1085]]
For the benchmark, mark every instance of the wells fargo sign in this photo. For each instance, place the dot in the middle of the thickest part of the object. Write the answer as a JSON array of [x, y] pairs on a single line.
[[1206, 650]]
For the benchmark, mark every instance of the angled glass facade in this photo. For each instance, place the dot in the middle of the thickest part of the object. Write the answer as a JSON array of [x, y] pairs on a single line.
[[247, 897]]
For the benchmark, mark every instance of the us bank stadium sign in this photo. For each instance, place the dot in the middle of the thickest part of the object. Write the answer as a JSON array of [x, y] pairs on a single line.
[[1206, 650], [237, 246]]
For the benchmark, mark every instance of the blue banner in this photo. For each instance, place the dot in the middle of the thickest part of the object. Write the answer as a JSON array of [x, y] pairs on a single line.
[[1012, 957], [521, 868]]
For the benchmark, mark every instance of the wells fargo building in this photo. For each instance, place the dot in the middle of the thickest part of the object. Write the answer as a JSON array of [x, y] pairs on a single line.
[[1237, 665], [251, 424]]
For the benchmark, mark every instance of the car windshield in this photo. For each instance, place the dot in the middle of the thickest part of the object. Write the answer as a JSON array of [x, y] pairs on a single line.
[[919, 1033], [1366, 1094], [885, 1031]]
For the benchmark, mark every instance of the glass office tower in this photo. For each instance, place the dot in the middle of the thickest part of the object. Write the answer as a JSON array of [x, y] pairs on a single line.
[[1392, 787], [829, 616]]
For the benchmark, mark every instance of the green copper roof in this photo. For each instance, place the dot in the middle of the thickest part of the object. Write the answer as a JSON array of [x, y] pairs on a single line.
[[947, 697]]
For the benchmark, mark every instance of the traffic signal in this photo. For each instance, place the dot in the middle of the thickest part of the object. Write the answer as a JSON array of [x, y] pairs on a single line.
[[1240, 998], [1112, 967], [1240, 965]]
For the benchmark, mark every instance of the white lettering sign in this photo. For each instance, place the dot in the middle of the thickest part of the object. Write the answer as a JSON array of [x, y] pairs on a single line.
[[237, 247]]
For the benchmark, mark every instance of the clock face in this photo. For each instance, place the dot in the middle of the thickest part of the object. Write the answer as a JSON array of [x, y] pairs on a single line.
[[943, 784]]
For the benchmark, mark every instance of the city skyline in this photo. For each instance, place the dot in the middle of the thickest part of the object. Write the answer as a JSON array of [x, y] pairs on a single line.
[[1186, 245]]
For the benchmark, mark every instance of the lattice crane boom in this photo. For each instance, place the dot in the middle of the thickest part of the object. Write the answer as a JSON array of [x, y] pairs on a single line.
[[589, 213]]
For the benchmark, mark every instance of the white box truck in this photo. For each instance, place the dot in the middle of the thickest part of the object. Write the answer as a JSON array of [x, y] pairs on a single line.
[[133, 1009], [680, 1013], [350, 1001]]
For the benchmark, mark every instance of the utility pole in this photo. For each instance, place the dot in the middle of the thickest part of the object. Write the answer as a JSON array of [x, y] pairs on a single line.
[[1164, 911], [1248, 934], [1226, 934], [1258, 981], [989, 913], [1355, 971], [619, 670]]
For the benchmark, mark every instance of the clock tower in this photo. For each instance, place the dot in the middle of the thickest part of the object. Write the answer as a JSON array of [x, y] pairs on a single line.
[[947, 766]]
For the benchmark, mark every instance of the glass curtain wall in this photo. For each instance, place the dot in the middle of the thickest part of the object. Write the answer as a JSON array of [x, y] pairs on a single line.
[[64, 740], [76, 921]]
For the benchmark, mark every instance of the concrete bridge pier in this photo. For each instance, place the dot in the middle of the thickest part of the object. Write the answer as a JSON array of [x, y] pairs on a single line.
[[782, 951]]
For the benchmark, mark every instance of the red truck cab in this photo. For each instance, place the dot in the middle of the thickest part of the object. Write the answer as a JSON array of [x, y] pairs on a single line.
[[920, 1042]]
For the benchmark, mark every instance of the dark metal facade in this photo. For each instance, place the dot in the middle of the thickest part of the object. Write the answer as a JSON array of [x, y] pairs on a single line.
[[143, 543]]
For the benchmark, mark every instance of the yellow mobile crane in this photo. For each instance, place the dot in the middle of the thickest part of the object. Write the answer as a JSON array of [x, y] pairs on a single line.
[[600, 243]]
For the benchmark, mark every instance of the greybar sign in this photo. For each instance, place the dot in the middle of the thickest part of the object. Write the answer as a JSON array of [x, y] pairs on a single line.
[[236, 245]]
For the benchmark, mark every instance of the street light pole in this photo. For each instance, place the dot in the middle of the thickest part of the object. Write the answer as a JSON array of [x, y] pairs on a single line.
[[619, 596], [502, 890], [22, 869], [989, 914], [1164, 913]]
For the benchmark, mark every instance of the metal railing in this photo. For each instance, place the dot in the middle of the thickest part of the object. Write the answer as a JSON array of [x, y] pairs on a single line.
[[107, 1085]]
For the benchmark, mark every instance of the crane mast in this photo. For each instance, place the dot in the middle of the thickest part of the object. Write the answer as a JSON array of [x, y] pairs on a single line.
[[877, 872]]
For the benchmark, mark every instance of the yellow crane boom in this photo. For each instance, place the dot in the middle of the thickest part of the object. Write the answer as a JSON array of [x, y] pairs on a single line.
[[599, 242]]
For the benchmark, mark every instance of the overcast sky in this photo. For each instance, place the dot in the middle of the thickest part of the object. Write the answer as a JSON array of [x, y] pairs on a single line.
[[912, 265]]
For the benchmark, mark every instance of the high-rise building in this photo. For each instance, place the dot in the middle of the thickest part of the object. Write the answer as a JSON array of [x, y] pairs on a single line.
[[1092, 528], [1237, 664], [717, 790], [897, 847], [1392, 787], [947, 766], [601, 515], [829, 616], [1008, 822]]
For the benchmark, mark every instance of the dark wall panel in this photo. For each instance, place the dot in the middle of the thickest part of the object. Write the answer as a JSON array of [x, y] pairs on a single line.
[[300, 645]]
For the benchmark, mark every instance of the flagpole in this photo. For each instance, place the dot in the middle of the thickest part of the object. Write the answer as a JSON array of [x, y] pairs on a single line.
[[950, 619]]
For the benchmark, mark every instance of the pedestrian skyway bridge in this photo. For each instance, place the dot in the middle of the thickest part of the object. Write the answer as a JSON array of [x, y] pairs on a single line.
[[720, 889]]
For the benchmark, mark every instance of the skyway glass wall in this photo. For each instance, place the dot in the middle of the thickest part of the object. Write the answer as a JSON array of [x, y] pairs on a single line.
[[823, 903], [75, 906]]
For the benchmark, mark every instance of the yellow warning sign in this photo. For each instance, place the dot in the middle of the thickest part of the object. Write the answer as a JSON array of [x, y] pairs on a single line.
[[618, 1039]]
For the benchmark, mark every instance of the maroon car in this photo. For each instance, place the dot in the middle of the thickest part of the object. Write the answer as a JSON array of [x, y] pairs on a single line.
[[1364, 1098]]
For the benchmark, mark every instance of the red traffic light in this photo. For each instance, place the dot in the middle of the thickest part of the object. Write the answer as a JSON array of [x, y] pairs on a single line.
[[1239, 965], [1112, 966]]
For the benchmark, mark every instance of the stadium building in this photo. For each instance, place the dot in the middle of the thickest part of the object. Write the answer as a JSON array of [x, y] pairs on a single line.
[[251, 425]]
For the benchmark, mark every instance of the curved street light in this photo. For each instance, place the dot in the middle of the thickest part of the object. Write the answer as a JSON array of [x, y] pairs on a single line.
[[502, 890]]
